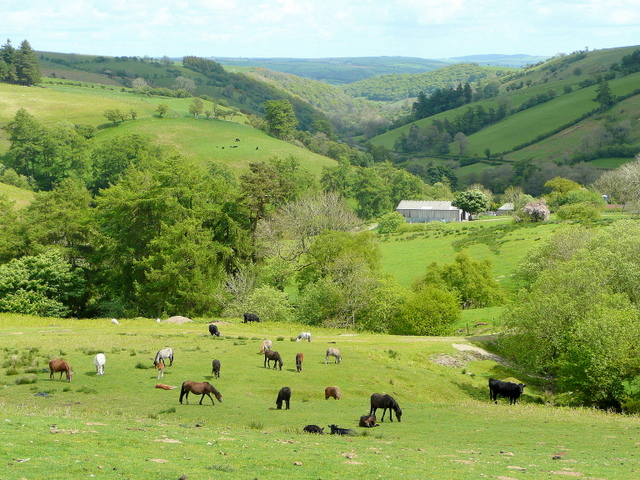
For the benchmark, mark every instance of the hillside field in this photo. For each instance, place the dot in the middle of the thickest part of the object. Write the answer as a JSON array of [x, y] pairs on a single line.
[[120, 426], [201, 140]]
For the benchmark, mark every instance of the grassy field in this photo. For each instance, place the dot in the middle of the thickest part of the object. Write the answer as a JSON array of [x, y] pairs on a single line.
[[120, 426], [202, 140]]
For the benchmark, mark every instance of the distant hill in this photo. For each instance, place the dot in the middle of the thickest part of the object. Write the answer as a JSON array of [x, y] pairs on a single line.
[[398, 87], [553, 118], [497, 60], [338, 71]]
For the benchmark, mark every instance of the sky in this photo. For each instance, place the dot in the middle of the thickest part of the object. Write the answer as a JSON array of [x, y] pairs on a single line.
[[431, 29]]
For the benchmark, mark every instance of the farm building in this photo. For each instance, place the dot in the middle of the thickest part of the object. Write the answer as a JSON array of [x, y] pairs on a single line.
[[506, 209], [421, 211]]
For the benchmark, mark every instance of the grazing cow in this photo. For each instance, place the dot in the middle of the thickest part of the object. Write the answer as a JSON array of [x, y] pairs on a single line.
[[299, 360], [237, 139], [379, 400], [368, 421], [505, 389], [333, 352], [284, 395], [99, 361], [332, 392], [335, 430], [215, 368], [162, 355], [160, 367], [266, 346], [304, 336], [272, 355], [213, 330], [251, 317], [57, 365], [313, 429]]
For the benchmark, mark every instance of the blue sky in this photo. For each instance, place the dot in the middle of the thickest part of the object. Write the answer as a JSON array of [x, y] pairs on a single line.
[[320, 28]]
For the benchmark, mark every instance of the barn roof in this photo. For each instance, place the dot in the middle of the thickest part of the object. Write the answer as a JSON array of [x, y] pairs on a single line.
[[425, 205]]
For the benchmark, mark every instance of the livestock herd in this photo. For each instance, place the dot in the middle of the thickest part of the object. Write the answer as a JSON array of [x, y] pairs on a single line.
[[497, 388]]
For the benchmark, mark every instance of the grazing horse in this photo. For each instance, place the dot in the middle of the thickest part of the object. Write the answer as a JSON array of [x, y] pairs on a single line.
[[251, 317], [99, 361], [304, 336], [275, 356], [163, 355], [299, 359], [215, 368], [332, 392], [199, 388], [213, 330], [333, 352], [284, 395], [266, 346], [313, 429], [379, 400], [57, 365], [160, 367]]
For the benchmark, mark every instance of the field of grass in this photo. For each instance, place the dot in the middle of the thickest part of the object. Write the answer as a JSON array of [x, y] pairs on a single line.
[[406, 256], [120, 426], [200, 139], [20, 196]]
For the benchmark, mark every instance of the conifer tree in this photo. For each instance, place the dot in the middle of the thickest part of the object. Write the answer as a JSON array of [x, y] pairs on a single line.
[[27, 65]]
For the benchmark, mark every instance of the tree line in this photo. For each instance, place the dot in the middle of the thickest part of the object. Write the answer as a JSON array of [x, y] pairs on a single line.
[[19, 66]]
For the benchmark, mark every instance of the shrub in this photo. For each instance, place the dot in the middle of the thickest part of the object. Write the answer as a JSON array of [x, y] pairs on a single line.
[[584, 212], [272, 304], [536, 211]]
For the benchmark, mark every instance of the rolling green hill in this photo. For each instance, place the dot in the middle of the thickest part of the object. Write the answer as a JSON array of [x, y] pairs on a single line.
[[200, 139], [394, 87], [551, 131]]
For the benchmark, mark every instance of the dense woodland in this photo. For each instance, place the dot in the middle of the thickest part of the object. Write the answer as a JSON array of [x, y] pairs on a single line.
[[126, 227]]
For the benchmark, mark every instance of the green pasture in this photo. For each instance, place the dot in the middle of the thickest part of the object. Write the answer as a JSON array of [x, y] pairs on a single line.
[[406, 256], [200, 139], [20, 196], [121, 426]]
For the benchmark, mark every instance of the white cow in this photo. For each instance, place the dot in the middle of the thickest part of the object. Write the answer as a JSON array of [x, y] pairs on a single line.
[[99, 361]]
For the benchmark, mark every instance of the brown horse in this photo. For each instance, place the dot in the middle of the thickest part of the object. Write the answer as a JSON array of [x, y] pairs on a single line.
[[332, 392], [57, 365], [299, 360], [272, 355], [199, 388]]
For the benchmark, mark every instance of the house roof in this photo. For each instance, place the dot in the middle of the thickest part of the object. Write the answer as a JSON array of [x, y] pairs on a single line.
[[507, 206], [425, 205]]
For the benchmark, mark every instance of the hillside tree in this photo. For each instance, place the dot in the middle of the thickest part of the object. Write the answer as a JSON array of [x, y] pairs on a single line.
[[472, 202], [280, 118]]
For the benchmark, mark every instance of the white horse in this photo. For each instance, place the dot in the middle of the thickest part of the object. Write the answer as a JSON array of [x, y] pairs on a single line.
[[99, 361], [333, 352], [164, 354], [304, 336], [266, 346]]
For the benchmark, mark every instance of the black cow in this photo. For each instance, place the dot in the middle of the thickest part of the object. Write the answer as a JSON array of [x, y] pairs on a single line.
[[284, 395], [335, 430], [251, 317], [313, 429], [213, 330], [505, 389]]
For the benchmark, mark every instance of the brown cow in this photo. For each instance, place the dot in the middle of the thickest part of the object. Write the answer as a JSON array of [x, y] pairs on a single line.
[[332, 392], [57, 365]]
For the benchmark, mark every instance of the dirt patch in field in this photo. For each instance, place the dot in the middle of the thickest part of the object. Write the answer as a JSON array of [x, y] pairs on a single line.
[[479, 353], [178, 319]]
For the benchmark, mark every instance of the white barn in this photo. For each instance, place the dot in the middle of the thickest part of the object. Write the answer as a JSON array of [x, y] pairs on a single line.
[[421, 211]]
